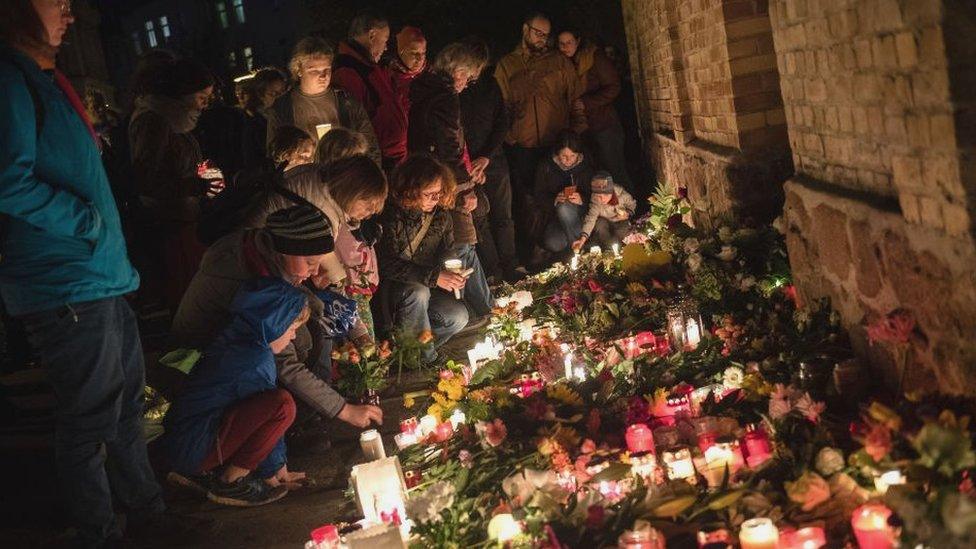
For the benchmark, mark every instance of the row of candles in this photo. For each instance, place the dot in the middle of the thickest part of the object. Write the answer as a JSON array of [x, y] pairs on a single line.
[[869, 523]]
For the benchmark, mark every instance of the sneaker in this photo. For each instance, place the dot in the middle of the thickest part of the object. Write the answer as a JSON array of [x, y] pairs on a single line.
[[198, 483], [245, 492]]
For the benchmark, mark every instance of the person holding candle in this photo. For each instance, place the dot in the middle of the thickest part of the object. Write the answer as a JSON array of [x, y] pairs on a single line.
[[225, 432], [312, 102], [416, 291], [608, 218]]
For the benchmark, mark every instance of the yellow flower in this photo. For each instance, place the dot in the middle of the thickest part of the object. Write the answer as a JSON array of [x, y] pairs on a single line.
[[564, 395], [442, 401], [453, 387], [436, 411], [408, 401], [949, 420]]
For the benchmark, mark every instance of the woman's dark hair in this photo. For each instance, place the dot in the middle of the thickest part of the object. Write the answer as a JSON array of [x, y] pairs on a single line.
[[573, 31], [415, 174], [286, 140], [22, 28], [150, 68], [355, 178], [568, 140], [182, 77]]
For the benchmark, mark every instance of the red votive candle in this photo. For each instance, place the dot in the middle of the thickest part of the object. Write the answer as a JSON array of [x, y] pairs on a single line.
[[870, 525], [639, 438]]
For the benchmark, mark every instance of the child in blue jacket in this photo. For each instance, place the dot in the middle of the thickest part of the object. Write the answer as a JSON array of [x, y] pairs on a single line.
[[224, 433]]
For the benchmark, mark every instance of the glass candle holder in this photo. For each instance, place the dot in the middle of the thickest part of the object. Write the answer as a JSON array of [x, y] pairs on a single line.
[[759, 533]]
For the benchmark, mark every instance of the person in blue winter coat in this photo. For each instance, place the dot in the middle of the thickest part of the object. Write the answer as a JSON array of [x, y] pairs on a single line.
[[64, 271], [225, 431]]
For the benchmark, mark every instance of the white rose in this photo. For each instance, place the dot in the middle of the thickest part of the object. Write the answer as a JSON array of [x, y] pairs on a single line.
[[691, 245], [694, 261], [725, 234], [747, 282], [727, 253]]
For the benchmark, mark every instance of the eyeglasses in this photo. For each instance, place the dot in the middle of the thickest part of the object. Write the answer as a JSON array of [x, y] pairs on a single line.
[[541, 34], [64, 6], [433, 195]]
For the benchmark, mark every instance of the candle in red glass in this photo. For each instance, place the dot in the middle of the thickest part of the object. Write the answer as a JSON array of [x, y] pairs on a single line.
[[870, 524], [409, 426], [811, 537], [757, 446], [639, 438]]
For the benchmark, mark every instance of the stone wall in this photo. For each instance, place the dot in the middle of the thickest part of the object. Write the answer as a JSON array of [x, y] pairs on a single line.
[[868, 108], [878, 213], [708, 93]]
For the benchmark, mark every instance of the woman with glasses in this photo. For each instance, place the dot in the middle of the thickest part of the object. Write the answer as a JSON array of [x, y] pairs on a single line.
[[435, 129], [417, 293]]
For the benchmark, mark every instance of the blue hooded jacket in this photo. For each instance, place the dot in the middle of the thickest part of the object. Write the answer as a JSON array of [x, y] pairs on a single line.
[[63, 239], [238, 364]]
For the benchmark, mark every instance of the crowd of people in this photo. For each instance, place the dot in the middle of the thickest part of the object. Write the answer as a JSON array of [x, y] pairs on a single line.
[[362, 194]]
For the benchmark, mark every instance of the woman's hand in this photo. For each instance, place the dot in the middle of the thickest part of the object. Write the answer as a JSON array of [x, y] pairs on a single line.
[[479, 164], [469, 202], [575, 198], [361, 415], [450, 281]]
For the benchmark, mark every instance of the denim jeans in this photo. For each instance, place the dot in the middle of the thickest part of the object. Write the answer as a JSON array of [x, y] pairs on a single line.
[[476, 292], [564, 228], [416, 308], [94, 360]]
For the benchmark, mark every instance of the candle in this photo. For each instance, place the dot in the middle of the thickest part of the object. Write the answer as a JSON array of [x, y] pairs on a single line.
[[405, 440], [759, 533], [758, 448], [811, 537], [870, 524], [579, 372], [409, 426], [427, 425], [372, 445], [455, 266], [567, 360], [639, 438], [595, 250], [679, 464], [692, 333], [322, 129], [458, 418], [641, 538], [412, 478], [644, 466], [503, 528], [887, 479], [718, 459], [616, 249], [574, 263], [325, 537]]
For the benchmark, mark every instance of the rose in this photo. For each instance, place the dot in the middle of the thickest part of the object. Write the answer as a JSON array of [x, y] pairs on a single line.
[[877, 441], [594, 286], [810, 490], [728, 253], [691, 245], [492, 433], [588, 446], [725, 234], [829, 461], [694, 261]]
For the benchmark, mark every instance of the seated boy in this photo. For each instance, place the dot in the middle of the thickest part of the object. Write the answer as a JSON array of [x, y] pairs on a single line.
[[224, 433], [608, 218]]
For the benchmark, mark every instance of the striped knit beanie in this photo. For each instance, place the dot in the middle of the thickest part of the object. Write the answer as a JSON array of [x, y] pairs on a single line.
[[300, 230]]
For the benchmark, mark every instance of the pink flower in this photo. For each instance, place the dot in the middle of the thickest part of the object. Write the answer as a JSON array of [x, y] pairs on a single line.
[[636, 238], [895, 327], [588, 446], [778, 407], [466, 459], [594, 286], [877, 441], [682, 192], [809, 408], [495, 432]]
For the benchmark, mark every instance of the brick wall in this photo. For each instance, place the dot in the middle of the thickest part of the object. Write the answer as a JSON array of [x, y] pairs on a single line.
[[708, 93], [878, 213]]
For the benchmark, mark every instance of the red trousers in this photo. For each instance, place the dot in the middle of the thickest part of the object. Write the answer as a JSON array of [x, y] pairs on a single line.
[[250, 429]]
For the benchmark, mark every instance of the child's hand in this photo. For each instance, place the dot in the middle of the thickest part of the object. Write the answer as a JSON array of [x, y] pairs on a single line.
[[578, 244]]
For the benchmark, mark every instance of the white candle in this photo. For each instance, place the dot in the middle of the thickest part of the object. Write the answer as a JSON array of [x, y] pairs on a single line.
[[759, 533], [574, 263], [579, 373], [680, 465], [405, 440], [888, 479], [692, 333], [372, 444], [616, 249], [503, 528], [454, 266], [567, 360], [458, 418]]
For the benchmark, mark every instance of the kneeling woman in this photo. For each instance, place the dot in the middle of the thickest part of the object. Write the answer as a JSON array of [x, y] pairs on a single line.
[[224, 432]]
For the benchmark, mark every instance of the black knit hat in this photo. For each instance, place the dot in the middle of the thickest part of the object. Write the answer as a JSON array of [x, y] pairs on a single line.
[[300, 230], [183, 77]]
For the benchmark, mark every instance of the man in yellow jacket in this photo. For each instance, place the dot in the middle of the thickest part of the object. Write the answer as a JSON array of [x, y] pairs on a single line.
[[542, 94]]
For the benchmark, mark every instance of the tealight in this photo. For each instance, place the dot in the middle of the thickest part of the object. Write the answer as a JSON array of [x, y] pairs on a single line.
[[870, 525], [888, 479], [503, 528], [759, 533], [679, 464]]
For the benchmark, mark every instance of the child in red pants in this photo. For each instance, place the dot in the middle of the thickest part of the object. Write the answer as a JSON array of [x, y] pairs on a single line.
[[224, 433]]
